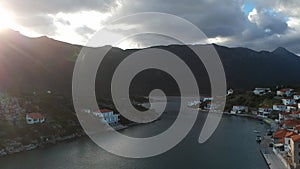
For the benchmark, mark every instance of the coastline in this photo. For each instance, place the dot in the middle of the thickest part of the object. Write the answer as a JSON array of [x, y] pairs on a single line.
[[57, 140]]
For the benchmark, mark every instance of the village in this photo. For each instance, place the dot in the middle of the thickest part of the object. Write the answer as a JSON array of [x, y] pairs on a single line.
[[41, 125], [280, 108]]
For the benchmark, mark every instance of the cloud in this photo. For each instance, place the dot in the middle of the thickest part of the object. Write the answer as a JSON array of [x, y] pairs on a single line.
[[266, 25], [32, 7], [214, 17], [85, 31], [269, 21], [42, 24]]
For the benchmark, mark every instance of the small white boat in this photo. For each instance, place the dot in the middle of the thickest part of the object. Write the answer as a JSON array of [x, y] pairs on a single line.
[[256, 131]]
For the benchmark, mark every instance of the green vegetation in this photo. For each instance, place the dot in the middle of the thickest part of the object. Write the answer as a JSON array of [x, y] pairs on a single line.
[[251, 100]]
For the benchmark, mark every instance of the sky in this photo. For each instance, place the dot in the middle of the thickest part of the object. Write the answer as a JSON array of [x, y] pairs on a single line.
[[255, 24]]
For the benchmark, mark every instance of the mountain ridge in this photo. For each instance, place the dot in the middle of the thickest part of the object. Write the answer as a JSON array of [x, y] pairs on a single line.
[[30, 64]]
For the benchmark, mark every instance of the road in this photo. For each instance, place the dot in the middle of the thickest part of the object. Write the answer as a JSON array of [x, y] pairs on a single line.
[[271, 158]]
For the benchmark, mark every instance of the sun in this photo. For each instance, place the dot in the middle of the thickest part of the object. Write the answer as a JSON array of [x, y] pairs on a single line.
[[5, 19]]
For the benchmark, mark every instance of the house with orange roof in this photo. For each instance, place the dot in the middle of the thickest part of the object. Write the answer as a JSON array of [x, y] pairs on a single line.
[[33, 118], [283, 136], [290, 124], [283, 116], [297, 129], [296, 114]]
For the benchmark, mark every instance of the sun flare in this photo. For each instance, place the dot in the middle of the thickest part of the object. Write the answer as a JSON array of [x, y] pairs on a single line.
[[5, 19]]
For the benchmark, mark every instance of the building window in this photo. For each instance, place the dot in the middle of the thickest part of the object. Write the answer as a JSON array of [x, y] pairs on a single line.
[[298, 153], [298, 145]]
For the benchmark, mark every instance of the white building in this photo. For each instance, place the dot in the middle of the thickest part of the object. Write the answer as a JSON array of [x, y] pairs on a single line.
[[296, 97], [229, 92], [291, 108], [264, 111], [285, 92], [261, 91], [205, 99], [33, 118], [108, 116], [193, 103], [239, 109], [288, 101], [279, 107], [283, 116]]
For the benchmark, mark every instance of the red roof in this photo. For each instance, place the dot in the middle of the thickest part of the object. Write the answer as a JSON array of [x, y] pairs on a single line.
[[265, 107], [279, 105], [288, 99], [286, 90], [283, 133], [281, 141], [291, 123], [297, 127], [105, 110], [296, 137], [285, 113], [296, 112], [35, 116]]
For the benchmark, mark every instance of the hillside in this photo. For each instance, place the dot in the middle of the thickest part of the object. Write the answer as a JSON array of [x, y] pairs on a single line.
[[33, 64]]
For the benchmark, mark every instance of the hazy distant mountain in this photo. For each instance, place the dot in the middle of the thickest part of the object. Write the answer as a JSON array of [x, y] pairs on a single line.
[[33, 64]]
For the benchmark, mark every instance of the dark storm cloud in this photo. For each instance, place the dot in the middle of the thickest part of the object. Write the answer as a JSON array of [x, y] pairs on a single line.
[[215, 18], [223, 19]]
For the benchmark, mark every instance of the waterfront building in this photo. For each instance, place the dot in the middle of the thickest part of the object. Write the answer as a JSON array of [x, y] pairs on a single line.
[[264, 111], [237, 109], [107, 116], [33, 118]]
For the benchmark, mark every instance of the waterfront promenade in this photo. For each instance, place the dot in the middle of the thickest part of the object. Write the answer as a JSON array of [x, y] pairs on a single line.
[[271, 158]]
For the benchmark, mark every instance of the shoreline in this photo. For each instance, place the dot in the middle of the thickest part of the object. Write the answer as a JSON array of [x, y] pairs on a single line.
[[24, 148]]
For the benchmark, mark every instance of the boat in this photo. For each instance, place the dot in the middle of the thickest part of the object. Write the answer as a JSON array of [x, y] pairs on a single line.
[[256, 131], [258, 139]]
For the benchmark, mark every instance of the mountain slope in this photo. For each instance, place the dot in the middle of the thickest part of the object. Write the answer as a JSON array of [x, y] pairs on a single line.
[[28, 65]]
